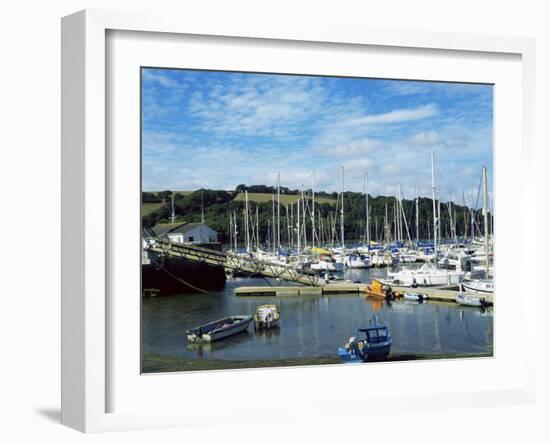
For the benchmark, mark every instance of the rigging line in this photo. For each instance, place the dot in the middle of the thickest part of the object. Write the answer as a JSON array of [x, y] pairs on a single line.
[[412, 208], [268, 282], [478, 191]]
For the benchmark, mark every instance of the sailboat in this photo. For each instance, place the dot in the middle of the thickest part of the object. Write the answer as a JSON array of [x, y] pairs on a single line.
[[357, 261], [483, 285]]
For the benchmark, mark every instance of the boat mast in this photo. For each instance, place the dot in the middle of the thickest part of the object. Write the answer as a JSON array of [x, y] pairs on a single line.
[[400, 221], [416, 203], [465, 216], [298, 225], [257, 229], [439, 215], [395, 231], [367, 207], [304, 224], [173, 211], [288, 227], [434, 208], [333, 217], [292, 225], [279, 211], [321, 235], [342, 212], [246, 221], [235, 227], [273, 245], [230, 230], [386, 227], [404, 219], [486, 221], [401, 213], [313, 209], [202, 207]]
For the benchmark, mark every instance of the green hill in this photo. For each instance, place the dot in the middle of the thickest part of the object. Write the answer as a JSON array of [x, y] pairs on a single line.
[[285, 199], [147, 208]]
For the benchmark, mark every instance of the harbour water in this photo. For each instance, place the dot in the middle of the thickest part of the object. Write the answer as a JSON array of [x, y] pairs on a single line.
[[311, 326]]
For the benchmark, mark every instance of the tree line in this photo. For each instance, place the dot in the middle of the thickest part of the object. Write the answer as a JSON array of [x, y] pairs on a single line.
[[217, 207]]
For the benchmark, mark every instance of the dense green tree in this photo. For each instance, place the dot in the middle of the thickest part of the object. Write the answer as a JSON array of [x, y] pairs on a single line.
[[217, 206]]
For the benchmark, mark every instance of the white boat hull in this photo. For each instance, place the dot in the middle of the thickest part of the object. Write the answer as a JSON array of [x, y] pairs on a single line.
[[415, 296], [478, 287], [358, 264], [470, 300], [220, 332], [325, 266], [424, 277]]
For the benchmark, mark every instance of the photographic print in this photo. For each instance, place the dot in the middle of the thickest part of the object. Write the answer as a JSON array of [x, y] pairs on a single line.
[[295, 220]]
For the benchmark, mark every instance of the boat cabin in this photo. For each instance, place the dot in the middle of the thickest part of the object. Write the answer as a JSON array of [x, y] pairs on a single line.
[[373, 335]]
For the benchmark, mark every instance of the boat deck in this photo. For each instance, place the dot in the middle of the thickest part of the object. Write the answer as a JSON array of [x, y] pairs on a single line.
[[440, 293]]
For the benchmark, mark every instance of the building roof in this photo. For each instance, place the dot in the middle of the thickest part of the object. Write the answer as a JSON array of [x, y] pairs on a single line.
[[164, 228], [182, 227]]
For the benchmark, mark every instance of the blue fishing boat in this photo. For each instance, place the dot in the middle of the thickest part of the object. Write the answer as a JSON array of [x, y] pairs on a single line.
[[370, 343], [220, 329]]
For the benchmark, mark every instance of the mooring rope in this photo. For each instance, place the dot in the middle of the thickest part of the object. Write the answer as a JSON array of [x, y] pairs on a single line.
[[182, 280]]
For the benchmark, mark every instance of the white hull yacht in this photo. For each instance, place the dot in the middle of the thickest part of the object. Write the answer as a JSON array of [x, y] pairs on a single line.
[[427, 275]]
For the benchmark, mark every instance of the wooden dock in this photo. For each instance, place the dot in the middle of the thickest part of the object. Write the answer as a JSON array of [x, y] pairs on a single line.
[[442, 293]]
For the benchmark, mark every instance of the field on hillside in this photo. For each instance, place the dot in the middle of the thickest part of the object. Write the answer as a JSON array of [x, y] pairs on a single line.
[[147, 208], [285, 199]]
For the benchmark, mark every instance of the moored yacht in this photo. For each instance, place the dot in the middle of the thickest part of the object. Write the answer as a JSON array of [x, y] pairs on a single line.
[[478, 286], [426, 275], [327, 264], [356, 261]]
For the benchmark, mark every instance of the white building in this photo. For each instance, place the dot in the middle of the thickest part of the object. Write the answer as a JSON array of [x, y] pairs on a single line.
[[188, 233]]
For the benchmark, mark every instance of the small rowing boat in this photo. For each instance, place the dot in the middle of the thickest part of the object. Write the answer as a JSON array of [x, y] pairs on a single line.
[[220, 329]]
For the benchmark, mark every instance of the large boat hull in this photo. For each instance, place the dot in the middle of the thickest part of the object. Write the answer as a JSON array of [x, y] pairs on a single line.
[[421, 277], [176, 275]]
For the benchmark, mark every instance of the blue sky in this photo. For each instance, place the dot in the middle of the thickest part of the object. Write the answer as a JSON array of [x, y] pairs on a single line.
[[220, 129]]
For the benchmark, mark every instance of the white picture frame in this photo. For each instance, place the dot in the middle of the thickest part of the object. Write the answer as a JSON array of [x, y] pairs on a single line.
[[87, 208]]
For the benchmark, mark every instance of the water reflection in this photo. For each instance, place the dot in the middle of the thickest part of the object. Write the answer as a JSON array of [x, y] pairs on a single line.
[[311, 326]]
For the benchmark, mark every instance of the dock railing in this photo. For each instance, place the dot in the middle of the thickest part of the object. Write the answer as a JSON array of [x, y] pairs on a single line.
[[238, 263]]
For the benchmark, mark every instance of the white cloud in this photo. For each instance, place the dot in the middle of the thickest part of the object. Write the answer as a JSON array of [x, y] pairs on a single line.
[[357, 165], [154, 77], [352, 148], [408, 87], [395, 116], [245, 130], [258, 106], [428, 138]]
